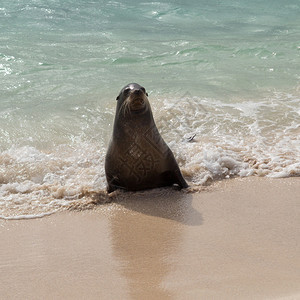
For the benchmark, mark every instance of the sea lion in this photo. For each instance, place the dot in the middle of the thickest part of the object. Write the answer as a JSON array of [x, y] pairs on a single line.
[[137, 157]]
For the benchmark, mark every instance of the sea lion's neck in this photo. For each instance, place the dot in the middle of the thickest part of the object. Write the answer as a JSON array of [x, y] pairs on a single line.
[[126, 125]]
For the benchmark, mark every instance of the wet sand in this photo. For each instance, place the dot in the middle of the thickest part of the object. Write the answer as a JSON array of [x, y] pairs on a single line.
[[240, 239]]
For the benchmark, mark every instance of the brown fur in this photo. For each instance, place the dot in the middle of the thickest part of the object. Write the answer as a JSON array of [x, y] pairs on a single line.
[[137, 157]]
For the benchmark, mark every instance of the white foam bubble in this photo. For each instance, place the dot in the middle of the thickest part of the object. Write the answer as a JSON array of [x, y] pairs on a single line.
[[26, 217], [238, 138], [34, 182]]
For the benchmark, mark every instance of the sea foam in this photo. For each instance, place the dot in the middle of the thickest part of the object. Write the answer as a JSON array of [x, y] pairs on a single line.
[[228, 139]]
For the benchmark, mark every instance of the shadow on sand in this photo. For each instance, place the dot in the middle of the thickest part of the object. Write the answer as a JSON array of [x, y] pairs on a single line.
[[145, 236], [163, 203]]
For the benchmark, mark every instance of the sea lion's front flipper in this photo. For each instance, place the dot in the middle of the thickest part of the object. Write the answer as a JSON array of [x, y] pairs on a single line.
[[180, 180], [112, 183], [174, 177], [110, 188]]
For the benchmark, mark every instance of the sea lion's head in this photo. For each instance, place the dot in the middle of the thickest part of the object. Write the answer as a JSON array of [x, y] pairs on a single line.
[[133, 99]]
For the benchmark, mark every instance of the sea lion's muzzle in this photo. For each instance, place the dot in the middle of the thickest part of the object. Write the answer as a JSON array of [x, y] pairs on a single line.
[[137, 92], [137, 99], [137, 104]]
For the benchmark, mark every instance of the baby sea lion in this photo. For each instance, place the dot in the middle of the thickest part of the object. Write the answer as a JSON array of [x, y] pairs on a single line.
[[137, 157]]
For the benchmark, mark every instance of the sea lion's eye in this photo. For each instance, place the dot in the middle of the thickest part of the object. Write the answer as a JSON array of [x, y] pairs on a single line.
[[143, 89], [126, 91]]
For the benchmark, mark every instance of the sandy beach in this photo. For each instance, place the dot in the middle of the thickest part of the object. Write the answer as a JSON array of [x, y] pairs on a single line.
[[238, 239]]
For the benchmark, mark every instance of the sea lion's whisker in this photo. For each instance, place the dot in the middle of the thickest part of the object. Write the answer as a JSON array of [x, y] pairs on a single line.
[[124, 108]]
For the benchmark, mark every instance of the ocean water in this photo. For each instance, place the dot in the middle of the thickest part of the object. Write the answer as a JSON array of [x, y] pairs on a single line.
[[225, 71]]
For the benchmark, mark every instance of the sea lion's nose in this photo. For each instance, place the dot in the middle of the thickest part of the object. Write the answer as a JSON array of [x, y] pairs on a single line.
[[137, 92]]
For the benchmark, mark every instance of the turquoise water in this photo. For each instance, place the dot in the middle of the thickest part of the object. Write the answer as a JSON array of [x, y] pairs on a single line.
[[226, 71]]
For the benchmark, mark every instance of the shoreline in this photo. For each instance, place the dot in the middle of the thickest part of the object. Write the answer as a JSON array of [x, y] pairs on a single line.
[[237, 240]]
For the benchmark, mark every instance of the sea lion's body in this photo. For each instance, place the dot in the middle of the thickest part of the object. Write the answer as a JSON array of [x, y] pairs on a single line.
[[137, 157]]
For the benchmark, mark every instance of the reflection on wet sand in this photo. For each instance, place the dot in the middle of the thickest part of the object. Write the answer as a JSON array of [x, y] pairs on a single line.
[[156, 246], [146, 232]]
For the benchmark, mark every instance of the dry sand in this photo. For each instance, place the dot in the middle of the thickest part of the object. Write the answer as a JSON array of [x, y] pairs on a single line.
[[238, 240]]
